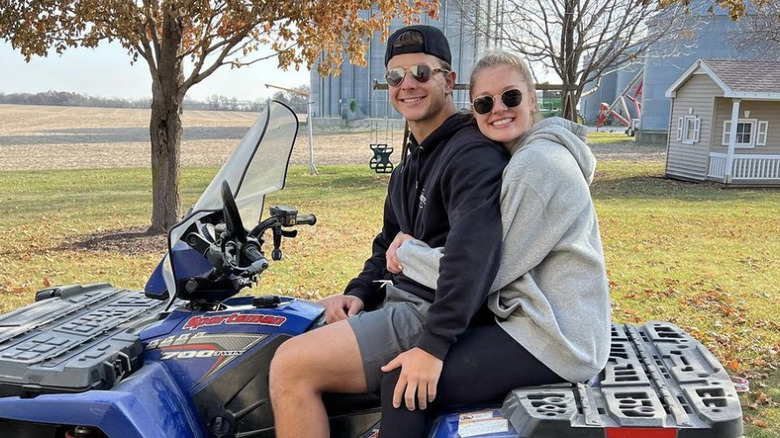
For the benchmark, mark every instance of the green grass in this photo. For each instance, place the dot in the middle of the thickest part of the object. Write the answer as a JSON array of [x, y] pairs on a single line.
[[704, 258], [607, 137]]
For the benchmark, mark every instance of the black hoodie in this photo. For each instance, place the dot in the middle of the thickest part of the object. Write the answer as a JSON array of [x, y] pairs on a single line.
[[446, 194]]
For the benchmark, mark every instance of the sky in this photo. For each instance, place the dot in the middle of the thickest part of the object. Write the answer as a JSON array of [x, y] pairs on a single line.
[[106, 72]]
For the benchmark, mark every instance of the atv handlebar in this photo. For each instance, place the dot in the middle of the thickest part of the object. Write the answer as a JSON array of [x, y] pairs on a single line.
[[239, 252], [306, 219], [253, 254]]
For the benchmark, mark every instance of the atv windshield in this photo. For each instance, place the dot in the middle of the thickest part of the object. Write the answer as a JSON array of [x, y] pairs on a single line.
[[256, 167]]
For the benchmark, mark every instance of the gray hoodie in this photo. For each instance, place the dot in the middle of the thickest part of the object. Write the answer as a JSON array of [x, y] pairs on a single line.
[[551, 292]]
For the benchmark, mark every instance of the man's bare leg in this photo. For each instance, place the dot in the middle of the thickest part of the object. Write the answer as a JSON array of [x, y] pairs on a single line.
[[324, 360]]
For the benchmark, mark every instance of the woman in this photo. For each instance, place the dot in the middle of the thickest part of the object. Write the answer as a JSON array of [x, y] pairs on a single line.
[[550, 298]]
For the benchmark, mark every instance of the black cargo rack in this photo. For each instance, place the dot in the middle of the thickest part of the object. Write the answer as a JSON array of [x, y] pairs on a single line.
[[658, 378], [74, 338]]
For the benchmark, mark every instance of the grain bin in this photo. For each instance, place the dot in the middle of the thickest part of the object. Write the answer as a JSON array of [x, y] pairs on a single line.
[[705, 35], [355, 84]]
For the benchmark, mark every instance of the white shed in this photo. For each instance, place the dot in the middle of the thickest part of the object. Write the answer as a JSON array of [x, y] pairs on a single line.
[[725, 123]]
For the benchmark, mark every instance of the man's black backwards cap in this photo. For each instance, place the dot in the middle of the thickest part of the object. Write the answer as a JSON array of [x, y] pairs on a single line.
[[433, 43]]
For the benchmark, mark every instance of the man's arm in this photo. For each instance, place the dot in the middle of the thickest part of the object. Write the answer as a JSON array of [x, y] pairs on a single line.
[[475, 238], [471, 186]]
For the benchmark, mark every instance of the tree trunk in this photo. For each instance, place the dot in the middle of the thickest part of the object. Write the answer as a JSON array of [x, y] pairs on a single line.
[[569, 63], [569, 105], [165, 127]]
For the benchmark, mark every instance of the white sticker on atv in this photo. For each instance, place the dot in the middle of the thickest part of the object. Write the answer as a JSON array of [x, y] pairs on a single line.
[[481, 423]]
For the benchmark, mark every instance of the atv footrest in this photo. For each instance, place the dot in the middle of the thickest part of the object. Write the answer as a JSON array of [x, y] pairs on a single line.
[[73, 339]]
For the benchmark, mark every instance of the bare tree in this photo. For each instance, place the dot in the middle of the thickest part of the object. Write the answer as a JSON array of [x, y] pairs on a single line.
[[578, 40], [737, 8], [760, 31]]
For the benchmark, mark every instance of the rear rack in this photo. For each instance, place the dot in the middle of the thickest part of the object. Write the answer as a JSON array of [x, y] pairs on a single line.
[[657, 377], [659, 382]]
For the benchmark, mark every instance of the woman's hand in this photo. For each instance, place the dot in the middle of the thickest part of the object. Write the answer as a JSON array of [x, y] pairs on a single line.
[[420, 372], [393, 264]]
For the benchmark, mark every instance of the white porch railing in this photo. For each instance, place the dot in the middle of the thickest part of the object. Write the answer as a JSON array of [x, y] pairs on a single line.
[[717, 165], [752, 167]]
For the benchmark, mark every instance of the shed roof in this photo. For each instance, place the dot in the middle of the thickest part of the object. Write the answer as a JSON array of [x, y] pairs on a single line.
[[737, 78]]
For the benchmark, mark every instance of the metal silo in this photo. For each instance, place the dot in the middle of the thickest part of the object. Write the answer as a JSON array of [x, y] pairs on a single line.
[[338, 97], [705, 35], [606, 92]]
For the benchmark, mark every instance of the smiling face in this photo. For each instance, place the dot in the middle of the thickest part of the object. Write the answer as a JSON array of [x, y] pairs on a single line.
[[425, 105], [503, 124]]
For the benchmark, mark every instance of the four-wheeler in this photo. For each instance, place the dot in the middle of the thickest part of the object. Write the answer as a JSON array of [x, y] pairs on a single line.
[[189, 356]]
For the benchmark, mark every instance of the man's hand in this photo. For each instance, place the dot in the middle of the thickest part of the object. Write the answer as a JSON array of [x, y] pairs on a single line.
[[420, 372], [338, 307], [393, 264]]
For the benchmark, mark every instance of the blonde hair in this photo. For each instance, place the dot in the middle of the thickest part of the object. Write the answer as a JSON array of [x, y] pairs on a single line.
[[501, 57]]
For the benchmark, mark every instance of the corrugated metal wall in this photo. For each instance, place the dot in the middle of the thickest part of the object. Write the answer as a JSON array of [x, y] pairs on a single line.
[[606, 92], [337, 96], [705, 35]]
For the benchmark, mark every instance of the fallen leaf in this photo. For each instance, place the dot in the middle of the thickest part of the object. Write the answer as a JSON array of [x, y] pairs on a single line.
[[734, 366], [759, 423], [763, 399]]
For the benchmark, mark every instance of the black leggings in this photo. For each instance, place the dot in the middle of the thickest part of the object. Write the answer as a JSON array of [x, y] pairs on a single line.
[[482, 367]]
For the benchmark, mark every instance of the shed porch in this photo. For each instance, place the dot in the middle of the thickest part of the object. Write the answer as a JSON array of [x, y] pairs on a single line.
[[746, 169]]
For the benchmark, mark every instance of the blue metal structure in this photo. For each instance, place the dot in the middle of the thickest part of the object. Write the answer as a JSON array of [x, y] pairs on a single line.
[[710, 35], [705, 34], [341, 96], [606, 92]]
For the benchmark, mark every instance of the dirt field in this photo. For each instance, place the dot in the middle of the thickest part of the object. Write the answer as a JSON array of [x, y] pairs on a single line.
[[42, 137]]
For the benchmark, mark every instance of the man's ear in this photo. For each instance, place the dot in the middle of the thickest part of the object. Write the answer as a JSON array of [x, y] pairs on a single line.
[[450, 77]]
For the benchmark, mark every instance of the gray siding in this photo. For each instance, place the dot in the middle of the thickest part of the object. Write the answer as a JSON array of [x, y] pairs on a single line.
[[760, 110], [691, 161]]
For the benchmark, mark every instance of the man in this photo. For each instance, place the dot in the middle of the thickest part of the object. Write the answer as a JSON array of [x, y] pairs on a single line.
[[445, 193]]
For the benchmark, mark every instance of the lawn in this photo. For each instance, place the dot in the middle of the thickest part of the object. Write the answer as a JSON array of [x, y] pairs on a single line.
[[701, 257]]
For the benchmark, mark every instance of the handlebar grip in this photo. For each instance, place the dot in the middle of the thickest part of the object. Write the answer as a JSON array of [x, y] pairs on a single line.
[[258, 261], [305, 219]]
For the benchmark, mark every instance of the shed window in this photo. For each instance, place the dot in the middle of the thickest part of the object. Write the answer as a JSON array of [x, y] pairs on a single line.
[[691, 128], [746, 133]]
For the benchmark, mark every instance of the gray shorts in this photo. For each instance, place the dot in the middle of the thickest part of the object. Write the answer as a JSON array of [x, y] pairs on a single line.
[[384, 333]]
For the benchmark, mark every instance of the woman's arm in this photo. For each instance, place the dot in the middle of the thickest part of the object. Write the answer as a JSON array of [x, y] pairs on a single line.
[[420, 262]]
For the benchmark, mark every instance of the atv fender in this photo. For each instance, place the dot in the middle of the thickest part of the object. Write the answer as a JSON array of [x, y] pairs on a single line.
[[146, 405]]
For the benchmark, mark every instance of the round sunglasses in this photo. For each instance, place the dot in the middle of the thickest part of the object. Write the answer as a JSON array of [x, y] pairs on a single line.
[[420, 73], [510, 98]]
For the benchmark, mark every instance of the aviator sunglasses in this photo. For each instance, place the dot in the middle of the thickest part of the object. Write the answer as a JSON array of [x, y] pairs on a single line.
[[510, 98], [420, 73]]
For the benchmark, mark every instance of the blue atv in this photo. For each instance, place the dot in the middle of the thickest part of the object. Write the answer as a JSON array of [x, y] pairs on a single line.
[[189, 358]]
